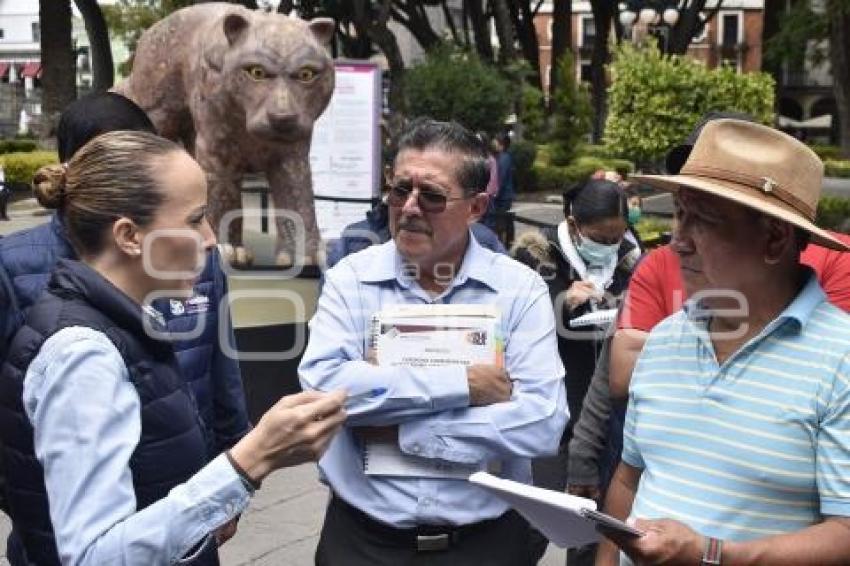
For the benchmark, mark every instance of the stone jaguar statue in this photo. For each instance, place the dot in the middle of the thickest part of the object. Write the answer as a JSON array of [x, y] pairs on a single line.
[[241, 89]]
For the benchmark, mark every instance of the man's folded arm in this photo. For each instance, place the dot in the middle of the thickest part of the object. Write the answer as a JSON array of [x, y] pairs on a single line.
[[529, 425], [335, 358]]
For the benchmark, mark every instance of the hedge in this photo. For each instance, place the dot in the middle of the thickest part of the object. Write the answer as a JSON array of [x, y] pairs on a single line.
[[826, 152], [557, 178], [20, 167], [833, 214], [837, 168], [22, 145]]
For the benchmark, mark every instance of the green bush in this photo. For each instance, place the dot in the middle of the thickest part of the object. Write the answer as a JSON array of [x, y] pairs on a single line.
[[826, 151], [572, 112], [656, 100], [453, 84], [20, 167], [833, 213], [592, 150], [532, 113], [546, 177], [651, 228], [524, 153], [837, 168], [17, 145]]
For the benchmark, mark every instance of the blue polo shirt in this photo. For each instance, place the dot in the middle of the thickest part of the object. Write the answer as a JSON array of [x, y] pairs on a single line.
[[757, 446]]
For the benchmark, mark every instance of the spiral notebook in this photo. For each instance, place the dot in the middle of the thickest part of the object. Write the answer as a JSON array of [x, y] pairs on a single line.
[[428, 336], [595, 318]]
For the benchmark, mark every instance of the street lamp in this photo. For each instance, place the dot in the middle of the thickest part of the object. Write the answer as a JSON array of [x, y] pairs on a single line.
[[648, 12], [658, 14]]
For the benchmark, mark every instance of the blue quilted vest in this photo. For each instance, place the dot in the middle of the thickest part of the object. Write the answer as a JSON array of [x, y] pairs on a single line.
[[172, 447]]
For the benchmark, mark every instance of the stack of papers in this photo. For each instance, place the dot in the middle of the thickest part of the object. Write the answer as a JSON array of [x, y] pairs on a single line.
[[566, 520], [428, 336]]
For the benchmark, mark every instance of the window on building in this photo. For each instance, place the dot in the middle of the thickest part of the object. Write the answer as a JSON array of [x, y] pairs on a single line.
[[584, 72], [2, 33], [36, 32], [588, 31], [730, 29]]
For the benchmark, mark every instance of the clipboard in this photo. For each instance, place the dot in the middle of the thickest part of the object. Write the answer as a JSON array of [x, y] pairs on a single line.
[[566, 520]]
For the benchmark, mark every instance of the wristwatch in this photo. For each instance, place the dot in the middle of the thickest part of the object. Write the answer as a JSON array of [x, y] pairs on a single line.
[[712, 552]]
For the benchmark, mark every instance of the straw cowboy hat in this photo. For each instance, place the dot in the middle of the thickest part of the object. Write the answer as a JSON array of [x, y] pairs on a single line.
[[757, 167]]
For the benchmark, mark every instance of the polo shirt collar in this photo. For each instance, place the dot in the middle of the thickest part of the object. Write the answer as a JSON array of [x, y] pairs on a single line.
[[806, 301], [799, 310]]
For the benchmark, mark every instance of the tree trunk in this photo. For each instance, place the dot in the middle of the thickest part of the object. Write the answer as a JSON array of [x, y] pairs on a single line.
[[523, 18], [103, 72], [58, 79], [603, 15], [561, 34], [690, 25], [481, 31], [839, 55], [504, 30], [375, 27], [412, 15]]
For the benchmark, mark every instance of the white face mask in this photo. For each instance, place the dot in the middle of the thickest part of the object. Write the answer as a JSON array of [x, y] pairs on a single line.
[[595, 253]]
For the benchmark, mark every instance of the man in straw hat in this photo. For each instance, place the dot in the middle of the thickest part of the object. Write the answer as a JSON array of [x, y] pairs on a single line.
[[736, 443]]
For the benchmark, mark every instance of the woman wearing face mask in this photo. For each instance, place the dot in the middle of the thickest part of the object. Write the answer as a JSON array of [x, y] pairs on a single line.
[[586, 262]]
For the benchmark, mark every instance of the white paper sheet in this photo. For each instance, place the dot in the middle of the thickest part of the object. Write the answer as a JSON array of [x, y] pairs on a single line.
[[566, 520]]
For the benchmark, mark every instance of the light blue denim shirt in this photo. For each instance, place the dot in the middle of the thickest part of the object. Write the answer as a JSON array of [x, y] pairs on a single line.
[[431, 405], [86, 417]]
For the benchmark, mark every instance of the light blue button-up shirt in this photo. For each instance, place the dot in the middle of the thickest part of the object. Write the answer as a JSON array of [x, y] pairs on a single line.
[[431, 405], [87, 422]]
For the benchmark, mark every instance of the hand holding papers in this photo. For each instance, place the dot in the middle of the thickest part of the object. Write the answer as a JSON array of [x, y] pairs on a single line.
[[564, 519], [428, 336]]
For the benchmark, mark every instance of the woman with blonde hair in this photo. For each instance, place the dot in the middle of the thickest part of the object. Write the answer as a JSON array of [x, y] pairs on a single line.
[[104, 437]]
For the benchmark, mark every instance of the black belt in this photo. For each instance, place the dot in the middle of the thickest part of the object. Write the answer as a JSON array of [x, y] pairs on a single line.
[[424, 538]]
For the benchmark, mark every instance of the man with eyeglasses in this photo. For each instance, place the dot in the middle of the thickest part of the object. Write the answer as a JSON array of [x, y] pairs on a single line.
[[482, 416]]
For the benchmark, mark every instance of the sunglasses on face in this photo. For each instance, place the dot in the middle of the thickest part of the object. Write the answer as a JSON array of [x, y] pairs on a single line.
[[429, 198]]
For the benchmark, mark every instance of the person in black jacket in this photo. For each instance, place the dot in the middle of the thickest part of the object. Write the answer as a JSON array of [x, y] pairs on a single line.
[[28, 256], [104, 444], [586, 261]]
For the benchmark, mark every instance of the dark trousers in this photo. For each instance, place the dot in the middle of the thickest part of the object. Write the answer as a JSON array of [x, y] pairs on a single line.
[[5, 193], [352, 538]]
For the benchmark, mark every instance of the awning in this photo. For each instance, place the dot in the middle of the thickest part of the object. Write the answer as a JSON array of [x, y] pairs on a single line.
[[31, 70], [818, 123], [4, 69]]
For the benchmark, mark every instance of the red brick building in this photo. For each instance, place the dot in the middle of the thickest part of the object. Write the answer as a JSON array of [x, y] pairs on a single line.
[[732, 37]]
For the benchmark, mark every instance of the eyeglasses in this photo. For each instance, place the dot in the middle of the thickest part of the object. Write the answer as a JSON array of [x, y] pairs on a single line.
[[428, 199]]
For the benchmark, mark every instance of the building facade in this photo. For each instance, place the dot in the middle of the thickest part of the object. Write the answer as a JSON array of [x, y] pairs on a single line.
[[733, 37]]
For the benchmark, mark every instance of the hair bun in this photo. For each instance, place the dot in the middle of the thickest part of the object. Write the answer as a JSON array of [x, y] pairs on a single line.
[[48, 184]]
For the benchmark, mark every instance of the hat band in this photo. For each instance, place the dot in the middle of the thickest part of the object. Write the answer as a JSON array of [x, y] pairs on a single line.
[[764, 185]]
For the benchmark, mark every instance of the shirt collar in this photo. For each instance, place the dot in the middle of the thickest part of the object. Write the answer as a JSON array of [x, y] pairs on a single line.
[[389, 265], [799, 310]]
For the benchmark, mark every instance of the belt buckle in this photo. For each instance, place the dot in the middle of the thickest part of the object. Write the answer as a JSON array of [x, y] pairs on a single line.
[[430, 543]]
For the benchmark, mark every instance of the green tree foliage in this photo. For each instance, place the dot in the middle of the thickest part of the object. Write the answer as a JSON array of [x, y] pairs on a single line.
[[655, 100], [453, 84], [532, 113], [128, 19], [572, 112], [802, 31]]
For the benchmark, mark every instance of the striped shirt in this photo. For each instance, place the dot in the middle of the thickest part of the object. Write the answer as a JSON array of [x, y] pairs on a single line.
[[757, 446]]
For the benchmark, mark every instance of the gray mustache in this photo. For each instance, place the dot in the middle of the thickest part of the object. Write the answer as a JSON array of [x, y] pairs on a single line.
[[413, 227]]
